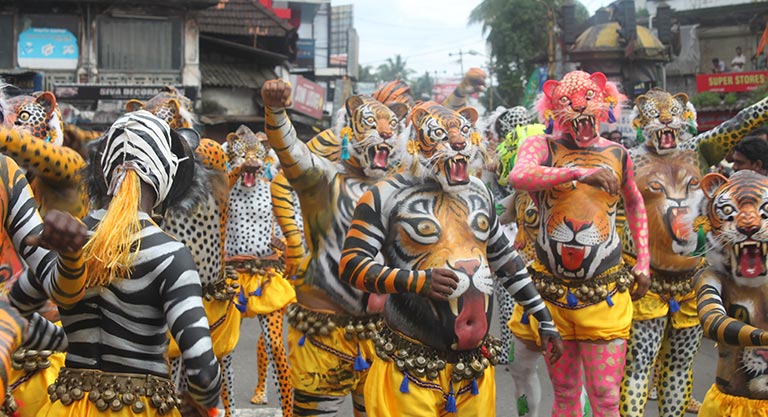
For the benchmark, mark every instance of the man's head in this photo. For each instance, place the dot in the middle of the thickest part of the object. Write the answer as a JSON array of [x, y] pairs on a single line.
[[715, 61], [751, 154], [738, 50], [615, 136]]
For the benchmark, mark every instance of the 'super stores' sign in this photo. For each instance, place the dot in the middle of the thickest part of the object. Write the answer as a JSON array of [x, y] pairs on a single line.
[[731, 82]]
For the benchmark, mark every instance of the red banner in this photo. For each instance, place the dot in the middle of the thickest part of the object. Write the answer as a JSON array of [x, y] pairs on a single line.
[[728, 82], [308, 98]]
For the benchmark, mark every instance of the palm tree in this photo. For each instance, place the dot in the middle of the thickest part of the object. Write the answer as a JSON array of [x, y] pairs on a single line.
[[421, 89], [394, 69], [366, 74]]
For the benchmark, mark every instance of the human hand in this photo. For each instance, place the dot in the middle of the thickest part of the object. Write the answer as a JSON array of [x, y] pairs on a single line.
[[551, 345], [61, 233], [443, 282], [603, 178], [642, 283], [276, 93]]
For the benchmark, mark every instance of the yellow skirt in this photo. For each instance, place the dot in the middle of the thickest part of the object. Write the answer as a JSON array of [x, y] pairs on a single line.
[[85, 408], [262, 294], [31, 394], [224, 321], [716, 404], [653, 306]]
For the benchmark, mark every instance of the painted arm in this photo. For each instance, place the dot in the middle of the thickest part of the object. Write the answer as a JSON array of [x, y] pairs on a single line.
[[284, 209], [715, 144], [60, 278], [45, 335], [56, 164], [637, 218], [473, 81], [714, 319], [183, 306], [13, 328], [529, 175], [364, 240], [294, 155]]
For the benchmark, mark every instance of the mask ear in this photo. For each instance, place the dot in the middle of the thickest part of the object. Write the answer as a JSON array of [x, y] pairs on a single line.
[[640, 102], [190, 136], [470, 113], [682, 98], [48, 101], [549, 88], [711, 183], [243, 131], [417, 115], [599, 79], [352, 104], [133, 105], [400, 110]]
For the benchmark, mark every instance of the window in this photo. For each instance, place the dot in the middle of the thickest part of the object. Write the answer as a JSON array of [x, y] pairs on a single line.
[[7, 43], [139, 44]]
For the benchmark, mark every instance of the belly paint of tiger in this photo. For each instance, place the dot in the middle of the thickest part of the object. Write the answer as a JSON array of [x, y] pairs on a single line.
[[438, 230], [578, 221]]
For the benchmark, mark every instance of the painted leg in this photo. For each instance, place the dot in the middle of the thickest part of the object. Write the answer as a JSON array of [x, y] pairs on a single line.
[[262, 362], [526, 386], [227, 389], [643, 346], [603, 369], [358, 400], [312, 405], [566, 377], [272, 326], [506, 306], [676, 357]]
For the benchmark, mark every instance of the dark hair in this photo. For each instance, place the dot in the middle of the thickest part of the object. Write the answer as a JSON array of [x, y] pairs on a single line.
[[754, 149]]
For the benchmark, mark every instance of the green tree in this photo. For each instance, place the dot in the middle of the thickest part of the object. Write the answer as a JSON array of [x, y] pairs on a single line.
[[421, 89], [366, 74], [517, 33], [394, 69]]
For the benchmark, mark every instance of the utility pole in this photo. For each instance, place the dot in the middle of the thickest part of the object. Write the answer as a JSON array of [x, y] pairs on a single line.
[[461, 54]]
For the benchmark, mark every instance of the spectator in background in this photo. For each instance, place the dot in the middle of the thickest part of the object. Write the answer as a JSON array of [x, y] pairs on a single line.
[[751, 154], [718, 66], [738, 61], [615, 136]]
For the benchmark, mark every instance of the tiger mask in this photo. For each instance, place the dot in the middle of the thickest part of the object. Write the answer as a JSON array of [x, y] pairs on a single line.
[[374, 132], [170, 105], [245, 151], [663, 118], [36, 114], [737, 212], [445, 145], [577, 104]]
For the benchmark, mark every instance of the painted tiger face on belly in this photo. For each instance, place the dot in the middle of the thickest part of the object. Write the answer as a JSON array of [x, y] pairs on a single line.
[[445, 230]]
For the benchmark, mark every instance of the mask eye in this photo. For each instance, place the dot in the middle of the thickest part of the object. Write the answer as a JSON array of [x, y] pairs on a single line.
[[393, 123], [764, 211], [564, 100], [655, 186], [726, 212], [464, 130], [481, 222], [370, 121], [426, 228], [23, 116], [590, 94], [675, 110], [439, 134]]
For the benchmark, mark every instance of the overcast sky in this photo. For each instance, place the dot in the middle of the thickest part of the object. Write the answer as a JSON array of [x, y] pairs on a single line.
[[424, 33]]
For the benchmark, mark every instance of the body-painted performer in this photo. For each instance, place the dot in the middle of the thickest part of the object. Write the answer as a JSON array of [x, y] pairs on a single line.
[[140, 283], [199, 221], [732, 293], [254, 250], [575, 178], [668, 168], [330, 332], [436, 227]]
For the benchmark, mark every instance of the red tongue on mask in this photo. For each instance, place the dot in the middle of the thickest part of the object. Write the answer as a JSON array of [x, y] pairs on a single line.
[[667, 140], [751, 262], [573, 257], [249, 179], [458, 171], [380, 158], [680, 228], [471, 324], [586, 129]]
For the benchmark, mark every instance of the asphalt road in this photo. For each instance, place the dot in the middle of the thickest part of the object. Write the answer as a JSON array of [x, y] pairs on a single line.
[[245, 379]]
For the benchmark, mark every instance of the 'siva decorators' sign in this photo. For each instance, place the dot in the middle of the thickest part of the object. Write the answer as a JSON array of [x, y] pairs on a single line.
[[731, 81], [45, 48]]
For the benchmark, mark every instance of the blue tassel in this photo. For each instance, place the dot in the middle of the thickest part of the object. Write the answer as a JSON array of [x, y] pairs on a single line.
[[611, 116], [360, 363], [240, 307], [524, 319], [609, 300], [571, 299], [242, 302], [550, 126], [257, 292], [404, 385], [450, 405], [268, 172], [475, 389], [674, 306], [303, 339], [345, 148]]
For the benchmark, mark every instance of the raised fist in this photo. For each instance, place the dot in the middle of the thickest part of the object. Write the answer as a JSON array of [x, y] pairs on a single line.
[[276, 93]]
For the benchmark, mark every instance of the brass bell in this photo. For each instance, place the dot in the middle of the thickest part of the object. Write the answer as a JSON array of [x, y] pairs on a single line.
[[456, 377], [60, 390], [349, 329], [94, 396], [476, 366], [371, 326], [128, 398], [311, 319], [44, 364], [66, 399], [163, 409], [102, 405], [400, 364], [389, 347], [401, 354], [432, 375], [331, 325], [460, 367], [108, 395], [18, 356], [31, 354], [560, 292], [138, 407], [324, 331], [29, 366], [17, 365], [76, 393], [53, 397], [349, 336], [420, 372], [410, 363], [440, 364], [156, 400], [421, 361], [51, 389]]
